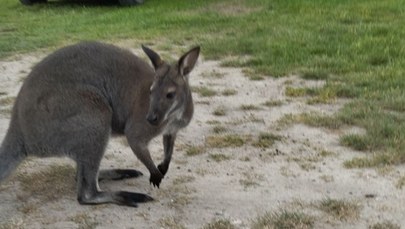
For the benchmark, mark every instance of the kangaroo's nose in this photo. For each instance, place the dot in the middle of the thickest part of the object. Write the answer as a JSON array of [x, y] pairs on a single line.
[[152, 119]]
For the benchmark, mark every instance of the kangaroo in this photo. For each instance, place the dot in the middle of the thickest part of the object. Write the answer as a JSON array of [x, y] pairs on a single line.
[[74, 98]]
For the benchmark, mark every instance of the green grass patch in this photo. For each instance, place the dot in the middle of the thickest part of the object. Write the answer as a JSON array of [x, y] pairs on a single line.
[[314, 74], [355, 141], [296, 92], [284, 219]]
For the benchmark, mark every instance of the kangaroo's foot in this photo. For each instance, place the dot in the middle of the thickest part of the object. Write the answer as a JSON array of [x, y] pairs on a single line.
[[121, 198], [118, 174]]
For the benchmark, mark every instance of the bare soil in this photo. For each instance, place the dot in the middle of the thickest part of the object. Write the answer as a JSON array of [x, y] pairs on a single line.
[[303, 167]]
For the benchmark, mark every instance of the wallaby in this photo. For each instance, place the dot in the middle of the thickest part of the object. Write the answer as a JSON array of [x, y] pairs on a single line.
[[74, 98]]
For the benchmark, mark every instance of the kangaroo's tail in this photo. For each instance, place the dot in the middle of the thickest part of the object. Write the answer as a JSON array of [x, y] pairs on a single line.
[[12, 152]]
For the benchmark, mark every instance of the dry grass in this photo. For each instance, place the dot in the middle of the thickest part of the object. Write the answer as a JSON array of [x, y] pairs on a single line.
[[7, 101], [284, 219], [265, 140], [219, 111], [213, 74], [229, 92], [204, 91], [50, 183], [342, 210], [218, 157], [273, 103], [219, 224], [13, 224], [171, 223], [250, 179], [219, 129], [249, 107], [400, 183], [226, 141], [384, 225], [194, 150], [183, 179], [84, 221]]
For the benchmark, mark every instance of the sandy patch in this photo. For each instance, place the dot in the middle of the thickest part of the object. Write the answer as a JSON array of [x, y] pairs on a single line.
[[233, 183]]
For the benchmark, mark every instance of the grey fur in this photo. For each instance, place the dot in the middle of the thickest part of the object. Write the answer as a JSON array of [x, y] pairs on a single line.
[[74, 98]]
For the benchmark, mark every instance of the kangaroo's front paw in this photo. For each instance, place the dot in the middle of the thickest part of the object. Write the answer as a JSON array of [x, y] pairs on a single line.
[[155, 179], [163, 168]]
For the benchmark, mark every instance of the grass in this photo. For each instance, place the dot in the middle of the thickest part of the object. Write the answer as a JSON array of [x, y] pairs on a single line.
[[357, 47], [250, 179], [249, 107], [230, 140], [195, 150], [213, 74], [171, 223], [400, 183], [183, 179], [384, 225], [265, 140], [229, 92], [312, 119], [50, 183], [219, 129], [284, 219], [218, 157], [7, 101], [375, 160], [204, 91], [219, 224], [84, 221], [219, 111], [342, 210], [273, 103]]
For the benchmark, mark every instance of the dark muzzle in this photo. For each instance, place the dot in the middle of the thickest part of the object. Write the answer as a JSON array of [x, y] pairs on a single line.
[[152, 119]]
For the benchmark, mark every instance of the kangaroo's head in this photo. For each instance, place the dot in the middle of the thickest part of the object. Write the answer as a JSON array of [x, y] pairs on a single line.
[[170, 90]]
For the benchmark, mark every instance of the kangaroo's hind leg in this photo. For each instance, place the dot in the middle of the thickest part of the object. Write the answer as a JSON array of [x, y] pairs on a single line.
[[87, 149], [89, 193]]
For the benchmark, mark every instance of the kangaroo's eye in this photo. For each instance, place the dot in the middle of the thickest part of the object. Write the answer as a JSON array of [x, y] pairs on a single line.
[[170, 95]]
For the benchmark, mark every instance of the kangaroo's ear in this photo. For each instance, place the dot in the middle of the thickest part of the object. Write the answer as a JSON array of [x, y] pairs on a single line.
[[153, 56], [187, 61]]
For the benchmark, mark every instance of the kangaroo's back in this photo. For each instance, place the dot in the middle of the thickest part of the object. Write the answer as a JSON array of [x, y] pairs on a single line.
[[92, 69]]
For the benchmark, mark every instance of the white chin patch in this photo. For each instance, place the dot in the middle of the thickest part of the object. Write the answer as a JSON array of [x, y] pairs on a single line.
[[171, 110]]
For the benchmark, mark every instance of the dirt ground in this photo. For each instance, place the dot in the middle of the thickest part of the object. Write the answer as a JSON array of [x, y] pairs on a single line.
[[239, 183]]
